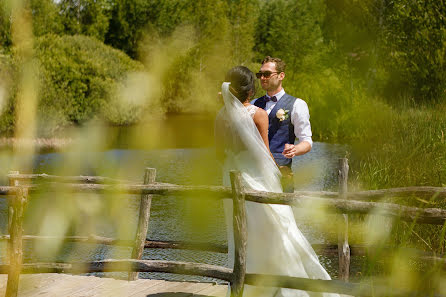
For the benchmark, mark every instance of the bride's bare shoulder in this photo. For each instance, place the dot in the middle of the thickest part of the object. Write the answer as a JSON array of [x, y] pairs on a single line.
[[261, 113], [260, 116]]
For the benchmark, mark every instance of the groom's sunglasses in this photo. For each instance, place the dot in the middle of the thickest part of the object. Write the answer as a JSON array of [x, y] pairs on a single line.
[[266, 74]]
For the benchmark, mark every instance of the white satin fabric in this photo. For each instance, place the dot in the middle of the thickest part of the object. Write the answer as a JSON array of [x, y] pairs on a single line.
[[275, 244]]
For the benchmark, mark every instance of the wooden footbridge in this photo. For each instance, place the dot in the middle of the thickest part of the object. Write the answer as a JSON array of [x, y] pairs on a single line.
[[63, 279]]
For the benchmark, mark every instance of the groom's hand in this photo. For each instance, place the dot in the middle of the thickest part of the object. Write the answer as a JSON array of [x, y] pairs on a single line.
[[289, 150], [292, 150]]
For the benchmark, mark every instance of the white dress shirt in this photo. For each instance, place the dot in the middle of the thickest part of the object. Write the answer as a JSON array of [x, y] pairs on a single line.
[[300, 116]]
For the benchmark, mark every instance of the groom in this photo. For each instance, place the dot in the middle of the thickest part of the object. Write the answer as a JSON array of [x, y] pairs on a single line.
[[289, 119]]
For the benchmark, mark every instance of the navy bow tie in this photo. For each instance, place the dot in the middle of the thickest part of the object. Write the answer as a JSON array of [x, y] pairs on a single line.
[[273, 99]]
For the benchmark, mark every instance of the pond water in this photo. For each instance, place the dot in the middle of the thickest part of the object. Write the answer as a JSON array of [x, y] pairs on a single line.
[[183, 161]]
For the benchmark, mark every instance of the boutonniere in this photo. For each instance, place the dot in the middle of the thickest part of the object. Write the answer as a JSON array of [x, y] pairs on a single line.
[[282, 114]]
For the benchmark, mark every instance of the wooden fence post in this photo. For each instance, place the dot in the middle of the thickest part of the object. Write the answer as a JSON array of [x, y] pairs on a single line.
[[143, 221], [17, 203], [343, 246], [240, 234], [13, 182]]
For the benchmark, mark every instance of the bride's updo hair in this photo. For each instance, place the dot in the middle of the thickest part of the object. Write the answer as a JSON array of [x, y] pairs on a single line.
[[242, 82]]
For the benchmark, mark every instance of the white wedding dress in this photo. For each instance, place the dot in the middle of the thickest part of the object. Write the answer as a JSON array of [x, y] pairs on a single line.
[[275, 244]]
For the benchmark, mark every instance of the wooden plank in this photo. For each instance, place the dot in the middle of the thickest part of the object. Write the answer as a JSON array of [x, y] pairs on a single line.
[[126, 288], [170, 287], [343, 247], [73, 283], [214, 290], [199, 287], [37, 283], [146, 287], [53, 284], [95, 289], [143, 221], [59, 285]]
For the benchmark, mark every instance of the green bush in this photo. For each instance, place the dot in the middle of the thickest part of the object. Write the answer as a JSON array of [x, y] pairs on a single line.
[[80, 79], [6, 89]]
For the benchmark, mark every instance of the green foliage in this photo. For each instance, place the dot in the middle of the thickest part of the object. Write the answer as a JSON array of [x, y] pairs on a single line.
[[290, 30], [5, 26], [81, 79], [167, 15], [397, 47], [7, 73], [415, 49], [79, 75], [128, 20], [45, 17], [87, 17], [408, 150], [242, 15], [193, 78]]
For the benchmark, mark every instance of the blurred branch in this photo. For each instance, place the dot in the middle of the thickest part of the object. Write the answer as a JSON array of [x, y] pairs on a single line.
[[128, 265], [421, 215], [159, 244], [332, 286]]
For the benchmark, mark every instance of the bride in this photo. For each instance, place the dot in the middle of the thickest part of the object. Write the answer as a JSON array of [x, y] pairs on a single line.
[[275, 245]]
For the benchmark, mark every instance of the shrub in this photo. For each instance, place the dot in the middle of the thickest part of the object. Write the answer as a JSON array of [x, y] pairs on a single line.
[[80, 79], [6, 89]]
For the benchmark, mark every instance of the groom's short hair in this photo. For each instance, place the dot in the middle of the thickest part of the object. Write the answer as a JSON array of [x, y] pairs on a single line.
[[280, 65]]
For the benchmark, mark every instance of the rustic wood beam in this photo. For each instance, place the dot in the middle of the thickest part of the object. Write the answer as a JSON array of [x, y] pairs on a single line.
[[321, 249], [16, 204], [329, 286], [240, 232], [405, 213], [94, 239], [111, 265], [143, 221], [435, 216]]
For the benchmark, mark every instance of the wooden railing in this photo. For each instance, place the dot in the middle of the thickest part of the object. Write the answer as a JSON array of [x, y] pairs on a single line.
[[345, 203]]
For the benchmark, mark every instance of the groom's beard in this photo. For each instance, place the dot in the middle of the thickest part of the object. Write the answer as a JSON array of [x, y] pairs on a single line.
[[270, 86]]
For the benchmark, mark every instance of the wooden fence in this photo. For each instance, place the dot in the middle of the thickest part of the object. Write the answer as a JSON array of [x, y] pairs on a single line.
[[345, 203]]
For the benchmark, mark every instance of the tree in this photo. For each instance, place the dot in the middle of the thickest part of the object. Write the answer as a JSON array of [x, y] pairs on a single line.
[[87, 17], [128, 21], [242, 15], [290, 30], [201, 69], [397, 47], [414, 49], [5, 26], [45, 17]]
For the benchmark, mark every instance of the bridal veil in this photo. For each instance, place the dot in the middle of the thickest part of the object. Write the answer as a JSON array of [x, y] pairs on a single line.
[[275, 244]]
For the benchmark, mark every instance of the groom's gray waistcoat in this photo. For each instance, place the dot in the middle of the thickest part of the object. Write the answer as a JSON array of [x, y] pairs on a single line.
[[279, 132]]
